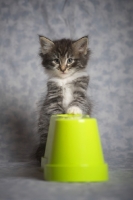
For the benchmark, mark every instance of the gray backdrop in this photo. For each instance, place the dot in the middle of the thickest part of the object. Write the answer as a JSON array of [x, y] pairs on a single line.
[[109, 24]]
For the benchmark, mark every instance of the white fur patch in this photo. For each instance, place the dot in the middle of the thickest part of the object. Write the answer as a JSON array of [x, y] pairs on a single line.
[[67, 88], [74, 110], [67, 95]]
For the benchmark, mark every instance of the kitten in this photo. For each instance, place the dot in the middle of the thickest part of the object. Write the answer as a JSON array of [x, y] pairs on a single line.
[[65, 63]]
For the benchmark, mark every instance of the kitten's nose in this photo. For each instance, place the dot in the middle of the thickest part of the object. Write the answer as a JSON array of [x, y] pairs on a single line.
[[63, 70]]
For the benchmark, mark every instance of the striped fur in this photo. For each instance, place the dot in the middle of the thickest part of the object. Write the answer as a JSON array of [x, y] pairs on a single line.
[[65, 94]]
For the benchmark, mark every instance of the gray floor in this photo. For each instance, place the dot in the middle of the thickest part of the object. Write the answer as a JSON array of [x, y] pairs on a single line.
[[25, 181]]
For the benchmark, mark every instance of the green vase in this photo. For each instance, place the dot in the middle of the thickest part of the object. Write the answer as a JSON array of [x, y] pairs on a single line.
[[73, 151]]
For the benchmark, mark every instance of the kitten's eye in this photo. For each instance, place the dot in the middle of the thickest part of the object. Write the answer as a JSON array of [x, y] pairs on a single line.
[[69, 60], [56, 61]]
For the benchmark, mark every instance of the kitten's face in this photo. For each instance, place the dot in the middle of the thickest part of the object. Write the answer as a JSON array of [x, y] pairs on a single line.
[[64, 57], [63, 65]]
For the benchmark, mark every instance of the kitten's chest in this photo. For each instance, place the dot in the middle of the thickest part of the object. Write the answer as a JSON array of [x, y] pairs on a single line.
[[66, 86], [67, 92]]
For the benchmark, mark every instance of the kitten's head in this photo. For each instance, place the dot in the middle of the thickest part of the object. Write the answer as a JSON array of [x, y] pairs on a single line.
[[62, 58]]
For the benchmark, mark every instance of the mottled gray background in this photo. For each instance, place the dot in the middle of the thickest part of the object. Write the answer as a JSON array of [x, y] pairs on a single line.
[[109, 24]]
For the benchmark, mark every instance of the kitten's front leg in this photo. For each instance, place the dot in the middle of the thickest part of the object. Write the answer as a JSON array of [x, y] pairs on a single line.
[[81, 103]]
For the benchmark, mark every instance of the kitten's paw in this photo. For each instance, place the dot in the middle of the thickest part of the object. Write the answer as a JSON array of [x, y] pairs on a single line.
[[74, 110]]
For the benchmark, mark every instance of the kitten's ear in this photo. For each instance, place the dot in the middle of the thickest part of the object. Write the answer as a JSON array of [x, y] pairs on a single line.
[[81, 45], [46, 44]]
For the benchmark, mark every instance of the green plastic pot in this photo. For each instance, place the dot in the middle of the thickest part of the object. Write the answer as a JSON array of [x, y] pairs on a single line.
[[73, 151]]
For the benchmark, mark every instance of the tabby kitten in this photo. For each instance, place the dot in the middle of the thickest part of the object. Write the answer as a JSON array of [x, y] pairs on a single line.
[[65, 63]]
